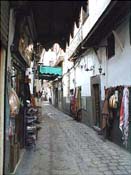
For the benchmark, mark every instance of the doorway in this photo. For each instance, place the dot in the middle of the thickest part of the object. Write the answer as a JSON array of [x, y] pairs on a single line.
[[95, 90], [96, 104], [56, 97]]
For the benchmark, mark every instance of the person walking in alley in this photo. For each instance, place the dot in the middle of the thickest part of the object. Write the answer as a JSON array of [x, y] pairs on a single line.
[[50, 101]]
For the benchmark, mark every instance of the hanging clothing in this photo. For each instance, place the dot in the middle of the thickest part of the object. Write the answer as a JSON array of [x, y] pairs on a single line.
[[124, 115]]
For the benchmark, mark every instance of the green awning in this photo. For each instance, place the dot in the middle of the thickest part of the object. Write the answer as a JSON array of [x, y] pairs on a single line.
[[50, 70], [49, 73]]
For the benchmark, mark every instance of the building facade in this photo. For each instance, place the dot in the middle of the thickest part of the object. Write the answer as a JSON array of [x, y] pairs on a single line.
[[16, 50], [98, 58]]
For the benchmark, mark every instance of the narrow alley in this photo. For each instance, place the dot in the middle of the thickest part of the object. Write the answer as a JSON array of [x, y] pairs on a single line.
[[65, 87], [66, 147]]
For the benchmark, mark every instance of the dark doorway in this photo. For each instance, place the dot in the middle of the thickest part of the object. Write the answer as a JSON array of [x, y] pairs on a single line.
[[96, 100], [96, 104], [56, 97]]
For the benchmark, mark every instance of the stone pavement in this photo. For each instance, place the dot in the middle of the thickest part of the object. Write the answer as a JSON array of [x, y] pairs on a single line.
[[66, 147]]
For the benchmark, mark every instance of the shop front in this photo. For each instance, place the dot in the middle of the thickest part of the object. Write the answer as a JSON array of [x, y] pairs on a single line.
[[116, 114], [21, 55]]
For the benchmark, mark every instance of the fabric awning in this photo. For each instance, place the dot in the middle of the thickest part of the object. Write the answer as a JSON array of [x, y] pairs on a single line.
[[49, 73], [50, 70]]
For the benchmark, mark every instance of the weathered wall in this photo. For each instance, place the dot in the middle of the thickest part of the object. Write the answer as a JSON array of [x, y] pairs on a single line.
[[87, 117], [96, 8], [66, 105], [119, 66]]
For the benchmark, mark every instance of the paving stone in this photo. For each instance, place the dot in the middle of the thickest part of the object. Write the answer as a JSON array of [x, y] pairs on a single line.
[[129, 171], [108, 173], [114, 161], [103, 169], [66, 147], [113, 168], [118, 172], [102, 165], [121, 168]]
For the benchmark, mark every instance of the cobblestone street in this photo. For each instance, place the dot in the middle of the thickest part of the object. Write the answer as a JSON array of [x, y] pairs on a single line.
[[66, 147]]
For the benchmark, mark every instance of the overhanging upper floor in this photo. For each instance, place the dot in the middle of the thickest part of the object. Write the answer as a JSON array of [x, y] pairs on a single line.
[[115, 13]]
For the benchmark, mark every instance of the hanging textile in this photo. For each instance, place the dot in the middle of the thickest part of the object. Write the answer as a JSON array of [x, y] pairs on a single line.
[[124, 115], [105, 109]]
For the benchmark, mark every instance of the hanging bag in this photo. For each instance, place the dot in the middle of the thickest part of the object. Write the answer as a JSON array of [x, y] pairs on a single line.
[[14, 103]]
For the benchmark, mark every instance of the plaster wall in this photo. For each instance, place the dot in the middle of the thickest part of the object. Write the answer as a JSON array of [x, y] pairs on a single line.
[[119, 66], [96, 8]]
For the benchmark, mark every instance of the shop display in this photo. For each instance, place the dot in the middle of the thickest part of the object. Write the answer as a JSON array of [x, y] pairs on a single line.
[[14, 103], [116, 108]]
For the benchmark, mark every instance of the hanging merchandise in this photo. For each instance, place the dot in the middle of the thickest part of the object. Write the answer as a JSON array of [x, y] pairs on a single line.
[[124, 115], [14, 103], [11, 130], [73, 103], [113, 100]]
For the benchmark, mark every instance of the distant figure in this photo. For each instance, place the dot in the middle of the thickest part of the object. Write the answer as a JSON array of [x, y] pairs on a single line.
[[39, 95], [50, 101]]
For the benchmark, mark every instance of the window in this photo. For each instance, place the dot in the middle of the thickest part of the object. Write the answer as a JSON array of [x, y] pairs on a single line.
[[110, 46]]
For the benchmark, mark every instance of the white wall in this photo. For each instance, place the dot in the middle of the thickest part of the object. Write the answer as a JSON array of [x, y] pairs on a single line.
[[66, 65], [104, 70], [47, 57], [119, 66], [90, 59], [65, 86], [117, 69], [96, 8], [72, 79], [82, 77]]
